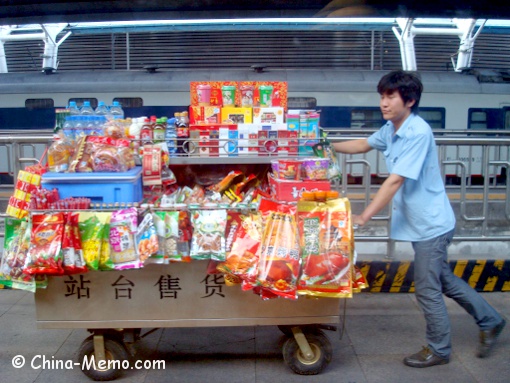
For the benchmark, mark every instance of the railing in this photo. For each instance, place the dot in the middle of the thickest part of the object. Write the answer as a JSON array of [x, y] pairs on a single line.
[[475, 171]]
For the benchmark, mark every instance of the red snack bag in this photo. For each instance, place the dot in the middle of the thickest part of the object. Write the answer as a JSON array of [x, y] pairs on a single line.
[[279, 253], [327, 243], [244, 232], [72, 253], [44, 255]]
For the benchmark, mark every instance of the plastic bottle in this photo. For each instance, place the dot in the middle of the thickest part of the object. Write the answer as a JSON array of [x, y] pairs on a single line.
[[102, 109], [79, 127], [73, 108], [146, 133], [86, 109], [68, 128], [159, 131], [116, 111], [171, 137]]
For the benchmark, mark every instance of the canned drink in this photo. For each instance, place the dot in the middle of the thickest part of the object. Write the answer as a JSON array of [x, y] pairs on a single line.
[[266, 95], [228, 94], [247, 95], [204, 94]]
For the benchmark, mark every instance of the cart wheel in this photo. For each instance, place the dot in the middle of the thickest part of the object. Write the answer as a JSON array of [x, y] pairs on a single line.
[[322, 353], [114, 351]]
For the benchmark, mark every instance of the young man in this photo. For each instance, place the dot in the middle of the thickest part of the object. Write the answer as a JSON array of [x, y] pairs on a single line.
[[422, 215]]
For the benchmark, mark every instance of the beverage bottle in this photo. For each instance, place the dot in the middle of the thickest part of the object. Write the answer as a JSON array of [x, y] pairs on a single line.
[[171, 135], [159, 130], [89, 127], [86, 109], [68, 128], [116, 111], [102, 109], [73, 108], [79, 127], [146, 133]]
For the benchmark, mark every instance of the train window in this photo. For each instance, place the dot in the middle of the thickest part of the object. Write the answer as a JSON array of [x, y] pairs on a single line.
[[129, 102], [366, 118], [434, 116], [486, 118], [39, 103], [507, 118], [302, 102], [79, 101]]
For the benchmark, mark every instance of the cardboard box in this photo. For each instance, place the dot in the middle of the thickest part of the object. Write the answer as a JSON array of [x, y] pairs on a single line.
[[233, 115], [290, 191], [204, 115], [207, 138], [228, 141], [272, 115]]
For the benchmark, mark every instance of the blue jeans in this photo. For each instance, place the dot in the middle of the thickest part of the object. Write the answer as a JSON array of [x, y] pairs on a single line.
[[433, 277]]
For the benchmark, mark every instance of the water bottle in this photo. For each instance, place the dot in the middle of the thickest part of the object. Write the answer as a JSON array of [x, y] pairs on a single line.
[[73, 108], [68, 128], [79, 127], [102, 109], [116, 111], [86, 109], [171, 137]]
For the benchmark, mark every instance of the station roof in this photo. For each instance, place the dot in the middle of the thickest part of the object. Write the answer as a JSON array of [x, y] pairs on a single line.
[[16, 12]]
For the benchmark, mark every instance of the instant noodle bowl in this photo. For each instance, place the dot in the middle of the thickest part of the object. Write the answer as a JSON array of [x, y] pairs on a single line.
[[289, 169], [316, 168]]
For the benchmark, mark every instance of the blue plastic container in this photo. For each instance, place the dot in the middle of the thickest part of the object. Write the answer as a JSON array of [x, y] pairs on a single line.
[[99, 187]]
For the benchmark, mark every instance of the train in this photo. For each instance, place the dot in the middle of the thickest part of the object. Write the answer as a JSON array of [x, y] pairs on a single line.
[[347, 99]]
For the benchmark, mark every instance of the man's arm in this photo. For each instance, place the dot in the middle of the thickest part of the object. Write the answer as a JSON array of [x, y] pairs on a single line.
[[353, 146], [388, 189]]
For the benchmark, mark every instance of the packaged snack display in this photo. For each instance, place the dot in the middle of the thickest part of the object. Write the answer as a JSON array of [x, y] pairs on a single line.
[[92, 227], [72, 252]]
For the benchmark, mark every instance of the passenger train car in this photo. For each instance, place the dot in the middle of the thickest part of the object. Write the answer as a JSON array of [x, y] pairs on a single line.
[[347, 99]]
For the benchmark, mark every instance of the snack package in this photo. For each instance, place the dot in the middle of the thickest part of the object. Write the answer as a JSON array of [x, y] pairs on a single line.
[[92, 227], [244, 232], [327, 248], [16, 245], [279, 255], [72, 253], [123, 251], [326, 150], [146, 238], [44, 254], [208, 241]]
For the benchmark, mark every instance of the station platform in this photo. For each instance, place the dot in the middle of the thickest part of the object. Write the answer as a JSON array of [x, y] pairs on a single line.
[[375, 334]]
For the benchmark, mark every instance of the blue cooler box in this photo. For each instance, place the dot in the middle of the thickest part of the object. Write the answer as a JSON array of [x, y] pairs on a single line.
[[99, 187]]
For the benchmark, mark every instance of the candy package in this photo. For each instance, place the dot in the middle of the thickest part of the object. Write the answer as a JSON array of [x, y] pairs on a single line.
[[146, 238], [92, 228]]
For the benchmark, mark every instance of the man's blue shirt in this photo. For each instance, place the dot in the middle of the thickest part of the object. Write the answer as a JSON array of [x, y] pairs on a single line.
[[421, 209]]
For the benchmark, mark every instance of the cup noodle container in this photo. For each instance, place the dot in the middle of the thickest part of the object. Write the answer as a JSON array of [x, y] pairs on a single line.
[[228, 95], [316, 168], [204, 95], [289, 169], [266, 95], [247, 95]]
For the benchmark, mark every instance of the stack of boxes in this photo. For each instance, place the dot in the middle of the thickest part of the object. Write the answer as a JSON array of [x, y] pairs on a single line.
[[247, 118]]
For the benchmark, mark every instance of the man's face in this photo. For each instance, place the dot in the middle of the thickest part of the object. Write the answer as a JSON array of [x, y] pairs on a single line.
[[394, 109]]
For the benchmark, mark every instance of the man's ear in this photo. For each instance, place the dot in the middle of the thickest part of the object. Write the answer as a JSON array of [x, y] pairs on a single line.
[[410, 103]]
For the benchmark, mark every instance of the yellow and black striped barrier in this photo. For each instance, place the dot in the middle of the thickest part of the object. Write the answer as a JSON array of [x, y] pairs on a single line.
[[398, 277]]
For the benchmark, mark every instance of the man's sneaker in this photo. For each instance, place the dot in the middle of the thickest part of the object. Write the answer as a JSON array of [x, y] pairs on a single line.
[[488, 339], [424, 358]]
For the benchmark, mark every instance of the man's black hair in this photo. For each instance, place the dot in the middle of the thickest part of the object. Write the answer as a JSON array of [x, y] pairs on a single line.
[[407, 84]]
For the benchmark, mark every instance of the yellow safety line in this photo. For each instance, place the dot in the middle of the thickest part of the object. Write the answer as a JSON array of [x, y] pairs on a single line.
[[398, 280], [477, 272], [492, 280]]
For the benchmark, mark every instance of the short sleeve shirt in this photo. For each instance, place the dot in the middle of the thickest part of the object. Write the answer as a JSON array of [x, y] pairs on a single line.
[[421, 208]]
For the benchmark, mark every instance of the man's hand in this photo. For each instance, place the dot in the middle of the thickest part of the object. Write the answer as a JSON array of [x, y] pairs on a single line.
[[358, 220]]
